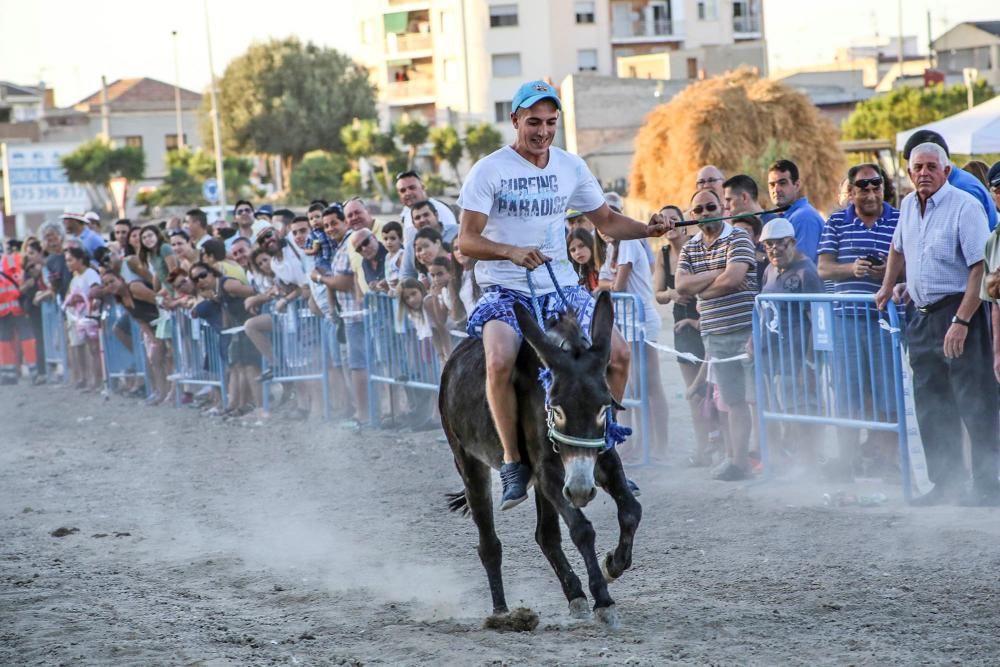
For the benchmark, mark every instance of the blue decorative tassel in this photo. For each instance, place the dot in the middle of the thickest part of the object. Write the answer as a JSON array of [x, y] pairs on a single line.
[[545, 379], [615, 433]]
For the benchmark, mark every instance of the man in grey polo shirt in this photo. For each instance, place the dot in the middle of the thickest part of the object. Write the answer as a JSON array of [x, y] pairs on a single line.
[[717, 265], [424, 214], [941, 237]]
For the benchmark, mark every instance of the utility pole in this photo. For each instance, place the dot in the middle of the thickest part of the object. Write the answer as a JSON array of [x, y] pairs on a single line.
[[105, 110], [930, 42], [899, 46], [177, 94], [220, 176]]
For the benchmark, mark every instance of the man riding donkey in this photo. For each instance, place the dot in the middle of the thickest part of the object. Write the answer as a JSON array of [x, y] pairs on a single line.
[[513, 207]]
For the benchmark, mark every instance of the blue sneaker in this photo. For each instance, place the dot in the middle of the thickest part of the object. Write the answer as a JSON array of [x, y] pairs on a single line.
[[633, 487], [515, 478]]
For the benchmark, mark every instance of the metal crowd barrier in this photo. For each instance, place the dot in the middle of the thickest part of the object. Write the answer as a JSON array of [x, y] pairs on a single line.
[[396, 356], [198, 356], [629, 317], [829, 360], [299, 341], [119, 361], [54, 337]]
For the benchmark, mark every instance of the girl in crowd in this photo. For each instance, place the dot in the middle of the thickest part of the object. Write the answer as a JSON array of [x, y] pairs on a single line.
[[82, 321], [427, 245], [687, 326], [627, 269], [185, 253], [261, 279], [133, 267], [33, 288], [412, 296], [580, 247], [442, 305], [139, 301], [468, 290], [224, 308], [156, 255]]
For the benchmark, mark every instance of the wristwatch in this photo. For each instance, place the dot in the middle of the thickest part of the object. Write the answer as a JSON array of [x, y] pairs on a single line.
[[958, 320]]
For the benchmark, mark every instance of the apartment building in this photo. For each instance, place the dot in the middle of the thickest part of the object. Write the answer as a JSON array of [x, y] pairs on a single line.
[[460, 61]]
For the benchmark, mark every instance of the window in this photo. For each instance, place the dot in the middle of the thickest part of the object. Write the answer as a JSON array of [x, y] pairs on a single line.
[[585, 12], [171, 142], [503, 16], [502, 111], [447, 22], [708, 10], [367, 32], [586, 60], [506, 64], [134, 141]]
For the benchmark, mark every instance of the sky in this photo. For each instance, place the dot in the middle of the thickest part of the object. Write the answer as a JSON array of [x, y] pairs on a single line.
[[69, 44]]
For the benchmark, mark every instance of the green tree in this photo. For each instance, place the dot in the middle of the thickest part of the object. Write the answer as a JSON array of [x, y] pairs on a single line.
[[96, 162], [481, 140], [908, 107], [413, 133], [187, 172], [362, 139], [287, 98], [319, 175], [446, 146]]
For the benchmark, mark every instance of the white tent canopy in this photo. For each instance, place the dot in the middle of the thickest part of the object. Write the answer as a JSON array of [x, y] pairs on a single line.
[[972, 132]]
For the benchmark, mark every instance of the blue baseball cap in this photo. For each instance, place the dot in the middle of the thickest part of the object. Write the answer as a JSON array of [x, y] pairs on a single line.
[[534, 92]]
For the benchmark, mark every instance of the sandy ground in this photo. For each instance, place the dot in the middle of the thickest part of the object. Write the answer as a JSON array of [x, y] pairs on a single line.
[[195, 542]]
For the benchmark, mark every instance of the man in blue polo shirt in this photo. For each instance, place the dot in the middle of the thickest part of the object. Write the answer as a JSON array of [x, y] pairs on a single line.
[[852, 254], [785, 189], [958, 178], [75, 224]]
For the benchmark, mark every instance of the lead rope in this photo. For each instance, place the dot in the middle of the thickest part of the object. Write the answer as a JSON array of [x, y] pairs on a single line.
[[614, 433]]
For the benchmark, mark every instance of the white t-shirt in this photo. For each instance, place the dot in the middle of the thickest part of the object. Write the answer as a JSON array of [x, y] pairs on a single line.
[[527, 208], [640, 278]]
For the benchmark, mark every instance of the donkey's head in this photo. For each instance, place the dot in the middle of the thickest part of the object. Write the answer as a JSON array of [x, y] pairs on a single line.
[[579, 399]]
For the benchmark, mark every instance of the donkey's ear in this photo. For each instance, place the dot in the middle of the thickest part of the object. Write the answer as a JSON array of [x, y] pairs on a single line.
[[601, 325], [534, 335]]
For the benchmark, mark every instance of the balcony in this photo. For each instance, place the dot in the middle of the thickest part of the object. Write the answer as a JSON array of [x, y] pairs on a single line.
[[407, 42], [641, 30], [416, 91], [747, 26]]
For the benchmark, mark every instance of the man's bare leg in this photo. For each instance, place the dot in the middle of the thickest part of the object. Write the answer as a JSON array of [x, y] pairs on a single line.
[[501, 344]]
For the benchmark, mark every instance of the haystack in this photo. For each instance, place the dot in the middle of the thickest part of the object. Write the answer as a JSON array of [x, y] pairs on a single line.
[[740, 123]]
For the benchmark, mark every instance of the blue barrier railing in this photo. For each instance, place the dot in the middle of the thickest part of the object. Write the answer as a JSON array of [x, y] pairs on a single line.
[[396, 355], [54, 337], [299, 340], [629, 317], [198, 356], [829, 360], [120, 362]]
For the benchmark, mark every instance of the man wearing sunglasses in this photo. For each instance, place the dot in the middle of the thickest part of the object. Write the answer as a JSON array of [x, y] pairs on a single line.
[[852, 254], [717, 265], [785, 188], [711, 178]]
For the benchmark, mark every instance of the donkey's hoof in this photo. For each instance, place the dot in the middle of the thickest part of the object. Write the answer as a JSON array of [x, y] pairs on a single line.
[[606, 567], [579, 609], [609, 617]]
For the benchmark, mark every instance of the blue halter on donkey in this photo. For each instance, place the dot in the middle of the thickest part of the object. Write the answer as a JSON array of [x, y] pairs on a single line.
[[615, 433]]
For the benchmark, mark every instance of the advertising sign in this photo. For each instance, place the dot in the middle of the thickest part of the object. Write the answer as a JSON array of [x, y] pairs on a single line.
[[35, 182]]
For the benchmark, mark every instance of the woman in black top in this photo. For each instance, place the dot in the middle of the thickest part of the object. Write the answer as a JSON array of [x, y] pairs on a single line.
[[687, 325], [139, 300]]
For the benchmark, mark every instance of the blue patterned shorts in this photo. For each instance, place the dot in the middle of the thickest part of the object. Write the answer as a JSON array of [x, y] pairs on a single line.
[[497, 303]]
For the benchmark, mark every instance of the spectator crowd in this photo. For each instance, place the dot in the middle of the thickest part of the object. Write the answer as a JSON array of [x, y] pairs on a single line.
[[937, 256]]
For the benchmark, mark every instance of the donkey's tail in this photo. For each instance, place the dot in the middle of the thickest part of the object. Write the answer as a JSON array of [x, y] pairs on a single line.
[[457, 502]]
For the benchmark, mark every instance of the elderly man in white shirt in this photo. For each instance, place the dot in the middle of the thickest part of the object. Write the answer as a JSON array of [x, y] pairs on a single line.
[[941, 237]]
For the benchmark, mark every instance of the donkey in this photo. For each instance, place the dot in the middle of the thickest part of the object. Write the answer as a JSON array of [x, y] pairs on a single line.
[[564, 475]]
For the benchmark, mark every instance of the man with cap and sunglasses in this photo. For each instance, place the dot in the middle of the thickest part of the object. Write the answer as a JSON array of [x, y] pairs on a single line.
[[513, 211]]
